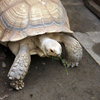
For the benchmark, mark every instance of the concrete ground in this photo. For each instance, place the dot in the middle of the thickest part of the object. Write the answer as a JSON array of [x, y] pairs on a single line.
[[47, 79]]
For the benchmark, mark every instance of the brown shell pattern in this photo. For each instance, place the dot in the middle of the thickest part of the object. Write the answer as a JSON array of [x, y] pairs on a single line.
[[22, 18]]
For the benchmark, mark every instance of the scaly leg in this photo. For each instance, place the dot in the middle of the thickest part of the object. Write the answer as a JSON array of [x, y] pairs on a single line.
[[73, 50], [19, 68]]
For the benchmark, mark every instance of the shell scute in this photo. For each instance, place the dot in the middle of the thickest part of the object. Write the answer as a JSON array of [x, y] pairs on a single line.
[[18, 35], [34, 31], [5, 4], [39, 15], [16, 17], [6, 35], [2, 29], [32, 2], [56, 11]]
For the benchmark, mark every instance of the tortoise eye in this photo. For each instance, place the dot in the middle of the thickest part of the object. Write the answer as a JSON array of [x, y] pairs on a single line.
[[51, 50]]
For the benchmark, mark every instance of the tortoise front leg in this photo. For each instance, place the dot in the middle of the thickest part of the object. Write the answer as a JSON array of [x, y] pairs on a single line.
[[19, 68], [73, 50]]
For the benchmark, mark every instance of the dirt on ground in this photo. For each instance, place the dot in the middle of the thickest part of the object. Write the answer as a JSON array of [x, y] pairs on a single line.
[[47, 79]]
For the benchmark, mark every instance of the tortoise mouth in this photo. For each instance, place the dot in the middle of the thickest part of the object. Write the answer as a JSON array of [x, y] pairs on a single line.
[[54, 55], [54, 58]]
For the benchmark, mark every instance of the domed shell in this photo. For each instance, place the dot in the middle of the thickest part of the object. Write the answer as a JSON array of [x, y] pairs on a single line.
[[22, 18]]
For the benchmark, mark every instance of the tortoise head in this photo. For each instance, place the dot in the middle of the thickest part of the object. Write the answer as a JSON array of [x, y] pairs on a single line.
[[52, 48]]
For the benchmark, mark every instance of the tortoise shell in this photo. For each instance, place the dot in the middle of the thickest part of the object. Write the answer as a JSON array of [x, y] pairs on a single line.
[[22, 18]]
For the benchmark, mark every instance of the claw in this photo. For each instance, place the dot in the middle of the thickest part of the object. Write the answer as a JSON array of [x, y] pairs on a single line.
[[10, 78], [20, 87], [17, 88], [18, 84], [77, 64], [70, 64]]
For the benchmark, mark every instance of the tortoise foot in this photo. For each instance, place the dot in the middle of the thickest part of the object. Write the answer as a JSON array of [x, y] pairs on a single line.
[[17, 84], [70, 64]]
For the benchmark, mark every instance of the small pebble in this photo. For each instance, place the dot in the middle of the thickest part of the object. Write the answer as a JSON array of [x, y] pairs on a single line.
[[4, 64], [3, 55], [43, 63], [36, 67], [10, 89], [31, 95], [13, 84]]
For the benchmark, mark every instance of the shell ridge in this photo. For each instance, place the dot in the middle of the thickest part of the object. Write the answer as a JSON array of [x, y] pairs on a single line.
[[3, 35], [62, 21], [23, 33], [28, 18], [49, 13], [29, 4], [56, 3], [43, 23], [29, 14], [9, 7], [12, 33], [16, 18], [43, 20], [58, 13]]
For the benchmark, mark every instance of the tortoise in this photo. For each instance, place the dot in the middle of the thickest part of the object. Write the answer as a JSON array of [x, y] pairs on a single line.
[[30, 27]]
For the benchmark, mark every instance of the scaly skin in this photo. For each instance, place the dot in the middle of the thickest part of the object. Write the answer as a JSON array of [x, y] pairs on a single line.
[[19, 68], [73, 51]]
